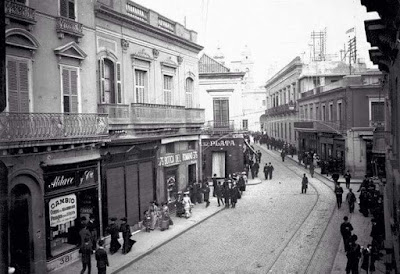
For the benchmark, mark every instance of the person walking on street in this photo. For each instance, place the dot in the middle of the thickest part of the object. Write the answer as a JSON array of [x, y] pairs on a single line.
[[353, 256], [227, 194], [86, 253], [234, 193], [206, 191], [283, 154], [214, 180], [84, 233], [126, 235], [312, 170], [266, 171], [101, 258], [92, 227], [256, 168], [270, 170], [345, 229], [259, 154], [347, 177], [339, 194], [304, 184], [113, 230], [351, 199], [218, 192]]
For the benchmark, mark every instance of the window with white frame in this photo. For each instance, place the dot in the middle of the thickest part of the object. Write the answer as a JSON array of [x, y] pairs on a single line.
[[18, 84], [168, 89], [189, 92], [140, 86], [68, 9], [69, 85], [110, 81], [376, 111]]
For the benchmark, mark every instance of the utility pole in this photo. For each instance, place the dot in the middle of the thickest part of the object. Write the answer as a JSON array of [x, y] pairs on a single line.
[[4, 260]]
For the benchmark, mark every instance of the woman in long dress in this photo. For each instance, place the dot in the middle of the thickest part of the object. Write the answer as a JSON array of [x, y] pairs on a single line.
[[187, 204], [154, 212]]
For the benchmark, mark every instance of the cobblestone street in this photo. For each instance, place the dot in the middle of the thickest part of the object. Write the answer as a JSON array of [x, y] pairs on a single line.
[[274, 229]]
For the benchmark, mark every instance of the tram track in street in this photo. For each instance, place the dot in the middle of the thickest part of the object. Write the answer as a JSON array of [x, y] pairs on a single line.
[[306, 221]]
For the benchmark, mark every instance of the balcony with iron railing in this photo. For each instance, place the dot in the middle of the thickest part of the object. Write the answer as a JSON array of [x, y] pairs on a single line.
[[35, 128], [377, 124], [150, 116], [282, 109], [219, 126], [68, 26], [19, 12], [337, 126]]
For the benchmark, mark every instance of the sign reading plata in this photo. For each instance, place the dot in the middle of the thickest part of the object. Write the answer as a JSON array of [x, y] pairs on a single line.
[[177, 158], [62, 209], [220, 143]]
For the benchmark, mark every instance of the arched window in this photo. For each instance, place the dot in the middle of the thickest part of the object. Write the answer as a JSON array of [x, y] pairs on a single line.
[[189, 92]]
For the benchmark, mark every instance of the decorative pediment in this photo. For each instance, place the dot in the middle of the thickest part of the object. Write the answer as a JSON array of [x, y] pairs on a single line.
[[71, 50], [169, 63], [21, 38], [142, 55], [191, 75]]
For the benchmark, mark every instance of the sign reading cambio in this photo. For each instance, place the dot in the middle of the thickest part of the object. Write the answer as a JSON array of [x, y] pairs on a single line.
[[62, 209]]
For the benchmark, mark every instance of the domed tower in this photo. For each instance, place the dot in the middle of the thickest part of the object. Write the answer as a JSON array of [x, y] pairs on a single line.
[[219, 56]]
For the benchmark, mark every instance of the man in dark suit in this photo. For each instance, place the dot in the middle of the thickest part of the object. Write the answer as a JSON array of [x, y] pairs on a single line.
[[101, 258], [86, 252], [92, 227], [126, 235]]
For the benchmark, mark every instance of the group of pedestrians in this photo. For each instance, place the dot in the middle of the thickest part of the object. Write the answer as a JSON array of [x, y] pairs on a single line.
[[230, 190], [354, 252]]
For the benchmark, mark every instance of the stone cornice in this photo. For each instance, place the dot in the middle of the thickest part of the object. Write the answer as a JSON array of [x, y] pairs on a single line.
[[104, 12], [222, 75], [294, 64]]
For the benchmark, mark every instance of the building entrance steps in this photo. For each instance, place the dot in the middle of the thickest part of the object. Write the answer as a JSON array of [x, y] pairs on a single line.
[[148, 242]]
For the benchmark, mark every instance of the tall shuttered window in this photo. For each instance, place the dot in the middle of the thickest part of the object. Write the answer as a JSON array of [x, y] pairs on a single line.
[[67, 9], [70, 89], [377, 111], [189, 92], [110, 81], [168, 89], [140, 85], [221, 112], [18, 85]]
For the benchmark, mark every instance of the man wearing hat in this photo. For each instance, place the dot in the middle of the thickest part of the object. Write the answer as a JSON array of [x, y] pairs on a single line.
[[126, 235], [113, 230], [84, 233]]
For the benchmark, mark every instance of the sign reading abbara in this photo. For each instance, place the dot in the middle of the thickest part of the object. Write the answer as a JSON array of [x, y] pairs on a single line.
[[177, 158], [62, 209]]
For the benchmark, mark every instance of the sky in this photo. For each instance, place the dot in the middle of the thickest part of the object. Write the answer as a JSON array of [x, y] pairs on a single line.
[[276, 31]]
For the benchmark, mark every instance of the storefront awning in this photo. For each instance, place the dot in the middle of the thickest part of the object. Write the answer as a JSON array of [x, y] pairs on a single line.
[[249, 146], [71, 160]]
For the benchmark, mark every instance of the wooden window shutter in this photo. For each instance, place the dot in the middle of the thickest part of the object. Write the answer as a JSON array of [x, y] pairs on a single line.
[[12, 78], [71, 9], [119, 84], [23, 87], [74, 91], [64, 8], [66, 90], [101, 80]]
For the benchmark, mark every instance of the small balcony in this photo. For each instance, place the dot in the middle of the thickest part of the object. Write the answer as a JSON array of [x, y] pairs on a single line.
[[51, 128], [157, 114], [194, 116], [321, 126], [282, 109], [377, 124], [219, 127], [19, 12], [68, 26]]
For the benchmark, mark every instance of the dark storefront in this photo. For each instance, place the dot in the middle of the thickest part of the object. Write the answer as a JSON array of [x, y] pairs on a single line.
[[128, 181], [222, 156], [308, 141], [71, 195]]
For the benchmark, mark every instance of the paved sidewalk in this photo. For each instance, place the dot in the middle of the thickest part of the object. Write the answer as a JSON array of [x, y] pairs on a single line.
[[361, 224], [148, 242]]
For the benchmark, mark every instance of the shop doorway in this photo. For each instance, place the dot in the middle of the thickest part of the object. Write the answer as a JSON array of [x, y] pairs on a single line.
[[191, 173], [218, 164], [20, 248]]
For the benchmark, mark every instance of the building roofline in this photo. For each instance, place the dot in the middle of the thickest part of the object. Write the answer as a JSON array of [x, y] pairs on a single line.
[[290, 66]]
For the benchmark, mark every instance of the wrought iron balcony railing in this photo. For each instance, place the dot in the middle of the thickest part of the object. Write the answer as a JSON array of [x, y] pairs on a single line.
[[321, 126], [282, 109], [142, 113], [117, 114], [219, 126], [65, 25], [380, 124], [19, 12], [44, 126]]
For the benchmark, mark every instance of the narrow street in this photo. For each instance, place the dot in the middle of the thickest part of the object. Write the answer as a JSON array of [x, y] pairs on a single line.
[[274, 229]]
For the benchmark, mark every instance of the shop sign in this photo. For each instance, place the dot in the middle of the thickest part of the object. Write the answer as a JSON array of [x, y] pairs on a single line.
[[68, 179], [62, 209], [220, 143], [177, 158]]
